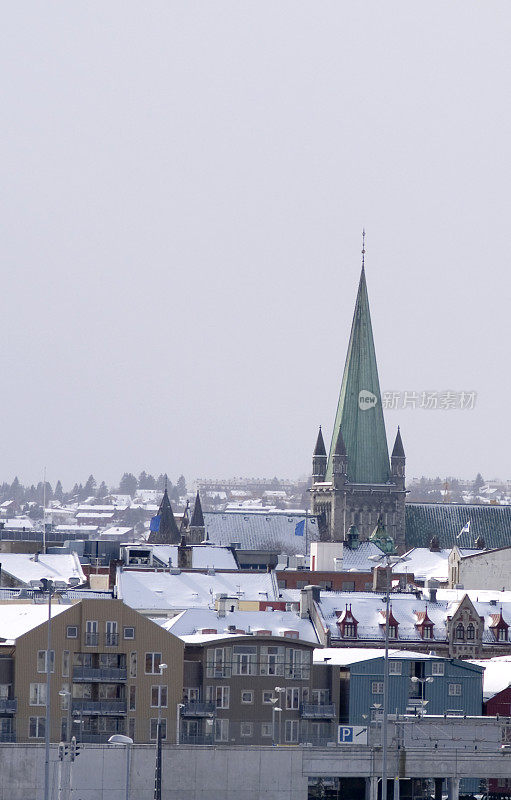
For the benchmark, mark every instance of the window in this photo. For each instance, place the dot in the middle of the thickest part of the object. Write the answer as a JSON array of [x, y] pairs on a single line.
[[152, 663], [247, 696], [291, 732], [131, 727], [129, 633], [218, 662], [219, 695], [36, 727], [158, 696], [111, 634], [377, 687], [350, 630], [427, 632], [153, 731], [501, 635], [41, 660], [72, 632], [246, 728], [65, 663], [64, 698], [471, 632], [272, 660], [221, 730], [244, 660], [4, 691], [37, 694], [133, 698], [191, 694], [319, 696], [395, 667], [91, 633], [63, 729], [392, 631], [459, 633], [293, 698], [438, 668], [267, 696], [297, 664], [454, 689], [133, 665], [266, 730]]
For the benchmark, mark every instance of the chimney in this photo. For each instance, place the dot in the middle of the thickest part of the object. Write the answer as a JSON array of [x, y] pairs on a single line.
[[308, 595], [36, 556], [222, 605], [432, 585]]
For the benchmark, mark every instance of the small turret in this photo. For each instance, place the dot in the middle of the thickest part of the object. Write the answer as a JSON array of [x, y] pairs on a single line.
[[340, 460], [352, 537], [397, 461], [319, 460], [197, 526]]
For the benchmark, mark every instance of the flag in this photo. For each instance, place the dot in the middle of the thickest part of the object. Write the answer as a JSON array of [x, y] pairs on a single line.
[[465, 529], [154, 527], [299, 528]]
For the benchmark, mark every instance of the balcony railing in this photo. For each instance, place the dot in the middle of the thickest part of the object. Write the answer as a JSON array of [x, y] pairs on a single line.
[[101, 707], [91, 639], [101, 674], [111, 639], [200, 738], [8, 706], [95, 738], [317, 710], [198, 710]]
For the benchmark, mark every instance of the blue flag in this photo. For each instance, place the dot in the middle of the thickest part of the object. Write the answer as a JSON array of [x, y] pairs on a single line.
[[299, 528], [154, 527]]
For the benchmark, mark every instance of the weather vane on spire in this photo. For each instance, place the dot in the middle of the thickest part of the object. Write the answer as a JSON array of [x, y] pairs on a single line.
[[363, 246]]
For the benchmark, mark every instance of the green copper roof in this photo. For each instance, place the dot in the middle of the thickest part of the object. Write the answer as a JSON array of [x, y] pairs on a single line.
[[446, 520], [359, 411]]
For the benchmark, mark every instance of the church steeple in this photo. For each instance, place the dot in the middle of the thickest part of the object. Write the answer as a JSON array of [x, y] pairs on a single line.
[[168, 532], [319, 459], [398, 460], [359, 411], [197, 526]]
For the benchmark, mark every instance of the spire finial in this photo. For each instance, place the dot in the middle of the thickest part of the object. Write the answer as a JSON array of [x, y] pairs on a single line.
[[363, 246], [166, 481]]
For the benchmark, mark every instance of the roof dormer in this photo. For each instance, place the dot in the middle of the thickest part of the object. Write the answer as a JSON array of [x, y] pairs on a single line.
[[347, 623], [393, 623], [499, 627], [424, 624]]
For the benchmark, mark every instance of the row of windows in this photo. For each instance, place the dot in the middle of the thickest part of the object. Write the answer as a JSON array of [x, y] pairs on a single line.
[[152, 662], [37, 727], [92, 632], [317, 696], [396, 667], [454, 688], [247, 729], [288, 662], [221, 696]]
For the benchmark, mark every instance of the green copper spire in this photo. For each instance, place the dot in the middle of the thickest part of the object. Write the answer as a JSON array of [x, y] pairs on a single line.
[[359, 411]]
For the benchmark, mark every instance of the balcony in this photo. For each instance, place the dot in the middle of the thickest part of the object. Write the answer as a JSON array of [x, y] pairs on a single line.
[[200, 738], [317, 710], [8, 706], [111, 639], [91, 639], [100, 707], [198, 710], [99, 674]]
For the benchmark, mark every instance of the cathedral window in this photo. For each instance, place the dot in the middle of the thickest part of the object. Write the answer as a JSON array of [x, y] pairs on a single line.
[[459, 633], [471, 632]]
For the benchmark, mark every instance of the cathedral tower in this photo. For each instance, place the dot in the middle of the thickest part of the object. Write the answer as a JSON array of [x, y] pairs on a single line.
[[361, 485]]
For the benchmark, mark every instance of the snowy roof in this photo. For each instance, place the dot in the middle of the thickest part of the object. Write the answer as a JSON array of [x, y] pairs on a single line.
[[194, 620], [204, 556], [167, 591], [95, 515], [17, 523], [425, 564], [77, 528], [497, 675], [18, 618], [24, 568], [344, 656], [260, 530]]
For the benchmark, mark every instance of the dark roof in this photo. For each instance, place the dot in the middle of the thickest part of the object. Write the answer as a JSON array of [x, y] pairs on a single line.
[[446, 520], [256, 530], [319, 450], [197, 516], [168, 533], [398, 450], [340, 447]]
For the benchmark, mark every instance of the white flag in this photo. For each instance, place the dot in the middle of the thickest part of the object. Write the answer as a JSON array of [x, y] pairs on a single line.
[[465, 529]]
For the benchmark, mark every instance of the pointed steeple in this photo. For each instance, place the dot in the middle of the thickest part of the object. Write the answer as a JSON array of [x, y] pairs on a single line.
[[197, 516], [340, 460], [359, 411], [319, 450], [168, 532], [340, 447], [398, 451], [319, 459]]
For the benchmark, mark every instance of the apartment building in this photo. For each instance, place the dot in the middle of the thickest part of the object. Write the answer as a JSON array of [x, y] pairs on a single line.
[[105, 658]]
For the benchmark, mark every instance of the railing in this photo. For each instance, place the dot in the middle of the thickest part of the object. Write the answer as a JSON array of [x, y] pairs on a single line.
[[200, 738], [101, 707], [95, 738], [317, 710], [105, 674], [8, 706], [111, 639], [198, 710], [91, 639]]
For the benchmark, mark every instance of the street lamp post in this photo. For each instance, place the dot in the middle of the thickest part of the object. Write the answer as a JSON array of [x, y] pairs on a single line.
[[389, 561], [157, 775], [47, 586], [66, 693], [422, 682], [179, 706], [127, 741]]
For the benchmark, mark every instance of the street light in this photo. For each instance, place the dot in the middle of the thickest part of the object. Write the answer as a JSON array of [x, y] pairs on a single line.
[[126, 741], [47, 585], [388, 561], [66, 693], [280, 691], [179, 706], [422, 682], [157, 773]]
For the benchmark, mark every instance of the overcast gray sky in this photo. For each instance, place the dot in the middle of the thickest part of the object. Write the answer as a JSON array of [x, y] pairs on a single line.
[[183, 191]]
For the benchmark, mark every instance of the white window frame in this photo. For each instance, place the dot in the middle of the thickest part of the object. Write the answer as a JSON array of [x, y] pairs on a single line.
[[437, 668], [153, 722], [221, 729], [250, 701], [395, 667], [37, 696], [455, 690], [69, 634], [291, 731], [376, 687], [41, 656], [155, 659], [267, 696], [266, 730], [161, 692], [292, 698], [125, 632], [40, 722], [246, 728]]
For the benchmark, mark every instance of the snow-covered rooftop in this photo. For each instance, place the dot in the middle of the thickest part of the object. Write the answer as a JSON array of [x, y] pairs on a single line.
[[204, 556], [61, 567], [497, 675], [344, 656], [194, 621], [18, 618], [167, 592]]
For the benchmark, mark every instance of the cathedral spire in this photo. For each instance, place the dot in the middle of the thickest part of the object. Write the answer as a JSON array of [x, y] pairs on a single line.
[[167, 531], [359, 412]]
